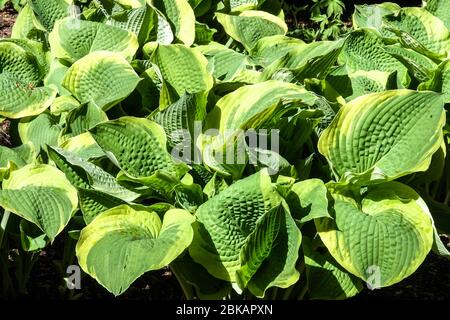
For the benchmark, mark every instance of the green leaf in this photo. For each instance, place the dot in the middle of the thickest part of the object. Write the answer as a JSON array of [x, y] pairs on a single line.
[[203, 33], [312, 60], [64, 104], [102, 77], [93, 203], [382, 239], [97, 178], [242, 5], [251, 26], [48, 12], [31, 237], [137, 146], [55, 76], [423, 27], [363, 50], [371, 16], [308, 200], [225, 224], [225, 63], [206, 286], [239, 109], [80, 120], [183, 68], [270, 49], [26, 27], [21, 71], [440, 9], [417, 64], [258, 245], [84, 146], [139, 21], [383, 136], [73, 39], [180, 116], [42, 195], [40, 131], [440, 81], [181, 15], [365, 82], [326, 278], [121, 244], [11, 158]]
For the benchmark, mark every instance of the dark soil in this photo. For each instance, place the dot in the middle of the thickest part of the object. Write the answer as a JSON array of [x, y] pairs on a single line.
[[7, 18]]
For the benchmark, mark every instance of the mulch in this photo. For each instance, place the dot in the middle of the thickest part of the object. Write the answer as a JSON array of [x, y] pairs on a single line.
[[7, 18]]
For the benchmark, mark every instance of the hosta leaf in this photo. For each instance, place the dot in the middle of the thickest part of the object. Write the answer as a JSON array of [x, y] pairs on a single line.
[[242, 5], [40, 194], [225, 224], [258, 245], [440, 81], [423, 27], [140, 21], [31, 237], [251, 26], [98, 178], [48, 11], [93, 203], [24, 59], [206, 286], [64, 104], [121, 244], [371, 16], [102, 77], [365, 82], [84, 146], [178, 117], [15, 158], [72, 39], [40, 131], [55, 77], [383, 136], [80, 120], [440, 9], [164, 33], [236, 109], [312, 60], [225, 63], [183, 68], [326, 278], [21, 99], [308, 200], [394, 224], [25, 26], [269, 49], [203, 33], [21, 70], [418, 65], [182, 17], [137, 146], [363, 50]]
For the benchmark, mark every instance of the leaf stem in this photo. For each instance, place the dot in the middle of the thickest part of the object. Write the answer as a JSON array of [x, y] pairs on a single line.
[[3, 225], [186, 287]]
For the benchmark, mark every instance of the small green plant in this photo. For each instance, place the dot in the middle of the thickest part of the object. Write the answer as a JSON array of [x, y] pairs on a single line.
[[17, 4], [325, 17]]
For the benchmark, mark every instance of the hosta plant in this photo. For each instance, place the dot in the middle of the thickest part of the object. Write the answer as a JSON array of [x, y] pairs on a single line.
[[196, 136]]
